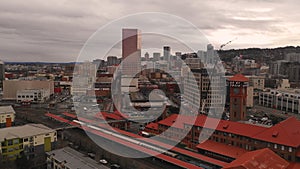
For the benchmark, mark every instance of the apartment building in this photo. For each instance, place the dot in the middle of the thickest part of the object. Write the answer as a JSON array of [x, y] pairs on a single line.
[[30, 140]]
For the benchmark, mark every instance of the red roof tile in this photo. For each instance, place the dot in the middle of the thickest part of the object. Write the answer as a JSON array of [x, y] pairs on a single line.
[[286, 132], [153, 126], [171, 120], [212, 123], [56, 117], [239, 78], [220, 148], [294, 165], [70, 115], [111, 116], [262, 159], [243, 129]]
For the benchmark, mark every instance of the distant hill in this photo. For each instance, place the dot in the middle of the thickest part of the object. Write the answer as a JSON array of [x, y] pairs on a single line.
[[39, 63], [260, 55]]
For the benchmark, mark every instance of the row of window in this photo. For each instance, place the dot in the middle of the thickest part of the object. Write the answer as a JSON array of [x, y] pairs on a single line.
[[27, 96], [283, 96], [11, 142], [230, 135]]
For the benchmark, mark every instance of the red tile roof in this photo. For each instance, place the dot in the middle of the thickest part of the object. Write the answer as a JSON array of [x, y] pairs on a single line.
[[70, 115], [262, 159], [106, 116], [220, 148], [286, 132], [170, 121], [248, 130], [183, 151], [294, 165], [153, 126], [239, 78], [56, 117]]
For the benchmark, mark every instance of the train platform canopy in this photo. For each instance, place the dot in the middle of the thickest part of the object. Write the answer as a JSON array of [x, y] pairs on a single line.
[[262, 159], [222, 149], [152, 126], [110, 116], [56, 117]]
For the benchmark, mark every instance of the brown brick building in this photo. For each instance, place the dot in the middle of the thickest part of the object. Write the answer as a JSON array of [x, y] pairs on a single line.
[[234, 137]]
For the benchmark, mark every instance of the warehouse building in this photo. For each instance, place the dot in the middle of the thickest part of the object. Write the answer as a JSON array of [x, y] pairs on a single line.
[[11, 87]]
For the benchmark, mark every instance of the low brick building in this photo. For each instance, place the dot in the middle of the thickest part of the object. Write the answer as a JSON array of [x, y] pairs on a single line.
[[282, 138]]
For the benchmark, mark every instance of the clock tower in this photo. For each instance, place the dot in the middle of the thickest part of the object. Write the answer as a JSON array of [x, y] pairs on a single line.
[[238, 97]]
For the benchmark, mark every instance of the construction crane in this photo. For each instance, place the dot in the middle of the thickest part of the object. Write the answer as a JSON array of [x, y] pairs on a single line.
[[223, 45]]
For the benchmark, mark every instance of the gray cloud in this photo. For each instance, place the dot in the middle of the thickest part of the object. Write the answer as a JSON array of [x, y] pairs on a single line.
[[56, 30]]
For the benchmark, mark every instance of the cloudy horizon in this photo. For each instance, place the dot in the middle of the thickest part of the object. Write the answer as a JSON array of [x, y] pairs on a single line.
[[55, 31]]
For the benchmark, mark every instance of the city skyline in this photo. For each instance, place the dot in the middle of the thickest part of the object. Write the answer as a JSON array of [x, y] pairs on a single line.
[[56, 32]]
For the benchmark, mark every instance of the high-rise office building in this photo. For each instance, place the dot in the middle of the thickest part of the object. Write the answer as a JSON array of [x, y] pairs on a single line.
[[210, 53], [112, 60], [99, 63], [167, 53], [147, 56], [156, 56], [2, 73], [177, 56], [131, 52], [209, 87]]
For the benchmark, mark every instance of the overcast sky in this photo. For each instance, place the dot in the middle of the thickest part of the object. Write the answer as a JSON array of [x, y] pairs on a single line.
[[55, 31]]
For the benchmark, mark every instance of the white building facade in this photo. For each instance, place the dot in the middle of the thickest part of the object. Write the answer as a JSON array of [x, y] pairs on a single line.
[[285, 100], [33, 95]]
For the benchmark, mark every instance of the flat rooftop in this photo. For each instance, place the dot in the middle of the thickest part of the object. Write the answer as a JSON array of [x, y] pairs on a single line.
[[24, 131], [7, 109], [74, 159]]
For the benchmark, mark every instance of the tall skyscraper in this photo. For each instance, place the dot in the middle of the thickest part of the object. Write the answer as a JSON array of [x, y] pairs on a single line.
[[210, 53], [167, 53], [131, 52], [147, 56], [2, 73]]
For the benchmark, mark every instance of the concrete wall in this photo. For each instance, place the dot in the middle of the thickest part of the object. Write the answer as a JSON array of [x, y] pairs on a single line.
[[249, 96]]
